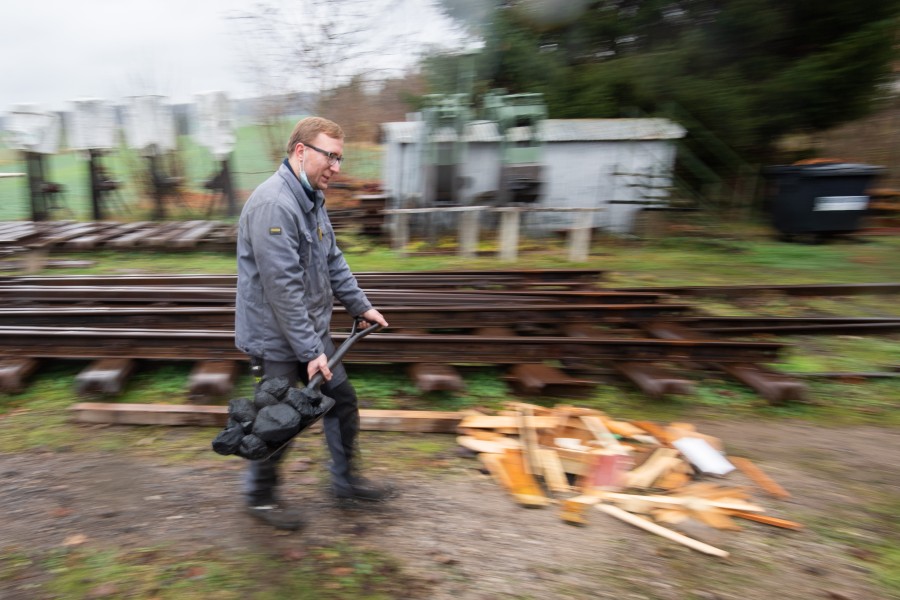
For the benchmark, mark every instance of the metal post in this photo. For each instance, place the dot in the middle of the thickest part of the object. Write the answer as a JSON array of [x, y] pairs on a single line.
[[96, 193], [159, 211], [228, 190], [35, 166]]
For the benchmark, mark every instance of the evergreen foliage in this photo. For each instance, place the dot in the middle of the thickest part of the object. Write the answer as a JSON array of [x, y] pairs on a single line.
[[749, 70]]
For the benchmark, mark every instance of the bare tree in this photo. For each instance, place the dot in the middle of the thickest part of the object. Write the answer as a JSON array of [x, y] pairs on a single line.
[[298, 51]]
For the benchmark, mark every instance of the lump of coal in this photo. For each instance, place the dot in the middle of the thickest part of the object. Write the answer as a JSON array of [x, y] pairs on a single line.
[[277, 423], [252, 448], [263, 399], [243, 411], [277, 386], [304, 401], [229, 439]]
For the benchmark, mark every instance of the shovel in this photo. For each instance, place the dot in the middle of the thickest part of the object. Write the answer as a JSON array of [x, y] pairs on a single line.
[[312, 387]]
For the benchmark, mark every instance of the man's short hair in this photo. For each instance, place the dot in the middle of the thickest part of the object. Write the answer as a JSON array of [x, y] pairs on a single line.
[[306, 130]]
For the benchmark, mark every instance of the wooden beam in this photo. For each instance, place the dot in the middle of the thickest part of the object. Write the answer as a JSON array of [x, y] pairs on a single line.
[[652, 527], [679, 501], [773, 521], [759, 477], [507, 422], [528, 438], [206, 415], [554, 473]]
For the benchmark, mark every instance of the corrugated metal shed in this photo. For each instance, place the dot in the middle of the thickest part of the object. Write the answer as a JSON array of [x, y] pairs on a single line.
[[613, 164], [402, 162], [480, 170]]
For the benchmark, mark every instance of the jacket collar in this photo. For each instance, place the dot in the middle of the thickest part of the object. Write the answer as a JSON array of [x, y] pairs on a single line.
[[308, 201]]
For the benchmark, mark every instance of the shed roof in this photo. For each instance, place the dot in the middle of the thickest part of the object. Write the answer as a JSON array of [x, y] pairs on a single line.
[[401, 132], [549, 130], [481, 131], [595, 130]]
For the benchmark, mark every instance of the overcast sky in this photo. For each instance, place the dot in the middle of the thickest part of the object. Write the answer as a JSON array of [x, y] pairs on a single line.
[[55, 51]]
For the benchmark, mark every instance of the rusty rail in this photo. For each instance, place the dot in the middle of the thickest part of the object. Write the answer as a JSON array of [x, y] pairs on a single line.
[[532, 318], [13, 295], [812, 289], [464, 278], [72, 342]]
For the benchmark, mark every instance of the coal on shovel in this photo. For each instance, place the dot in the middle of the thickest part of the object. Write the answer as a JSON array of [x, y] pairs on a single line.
[[260, 428]]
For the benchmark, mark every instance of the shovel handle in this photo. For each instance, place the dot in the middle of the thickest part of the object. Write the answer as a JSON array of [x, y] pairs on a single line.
[[356, 334]]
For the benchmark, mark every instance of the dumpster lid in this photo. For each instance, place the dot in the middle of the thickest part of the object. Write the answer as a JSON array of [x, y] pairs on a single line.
[[824, 170]]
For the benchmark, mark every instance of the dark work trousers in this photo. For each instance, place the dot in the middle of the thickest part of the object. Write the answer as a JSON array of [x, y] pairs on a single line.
[[341, 425]]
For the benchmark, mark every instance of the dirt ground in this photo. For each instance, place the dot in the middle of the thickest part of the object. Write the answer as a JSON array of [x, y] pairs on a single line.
[[458, 536]]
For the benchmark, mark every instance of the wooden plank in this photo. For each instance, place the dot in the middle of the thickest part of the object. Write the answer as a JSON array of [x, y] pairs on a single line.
[[623, 428], [652, 527], [672, 480], [206, 415], [759, 477], [774, 521], [675, 501], [574, 509], [597, 427], [712, 491], [716, 518], [420, 421], [659, 463], [495, 446], [523, 486], [493, 465], [528, 438], [506, 422], [149, 414], [655, 430], [552, 468]]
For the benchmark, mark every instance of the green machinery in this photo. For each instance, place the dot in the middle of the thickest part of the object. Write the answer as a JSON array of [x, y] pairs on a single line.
[[444, 147], [517, 117]]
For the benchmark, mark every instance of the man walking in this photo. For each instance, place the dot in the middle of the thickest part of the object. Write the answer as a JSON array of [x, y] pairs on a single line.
[[290, 269]]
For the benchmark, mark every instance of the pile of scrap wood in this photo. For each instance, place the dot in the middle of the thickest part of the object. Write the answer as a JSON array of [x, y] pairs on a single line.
[[646, 474]]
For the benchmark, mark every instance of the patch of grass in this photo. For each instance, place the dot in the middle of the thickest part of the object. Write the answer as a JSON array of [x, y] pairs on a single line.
[[14, 564], [338, 571]]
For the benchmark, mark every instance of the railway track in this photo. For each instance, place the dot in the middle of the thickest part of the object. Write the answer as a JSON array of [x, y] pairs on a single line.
[[439, 319]]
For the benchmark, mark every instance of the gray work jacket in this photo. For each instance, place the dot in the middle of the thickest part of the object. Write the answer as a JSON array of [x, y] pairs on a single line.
[[290, 269]]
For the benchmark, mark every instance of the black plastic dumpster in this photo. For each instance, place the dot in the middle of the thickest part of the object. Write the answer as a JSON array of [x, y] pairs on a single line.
[[819, 199]]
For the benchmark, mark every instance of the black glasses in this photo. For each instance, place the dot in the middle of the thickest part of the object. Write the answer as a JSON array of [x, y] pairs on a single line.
[[331, 156]]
